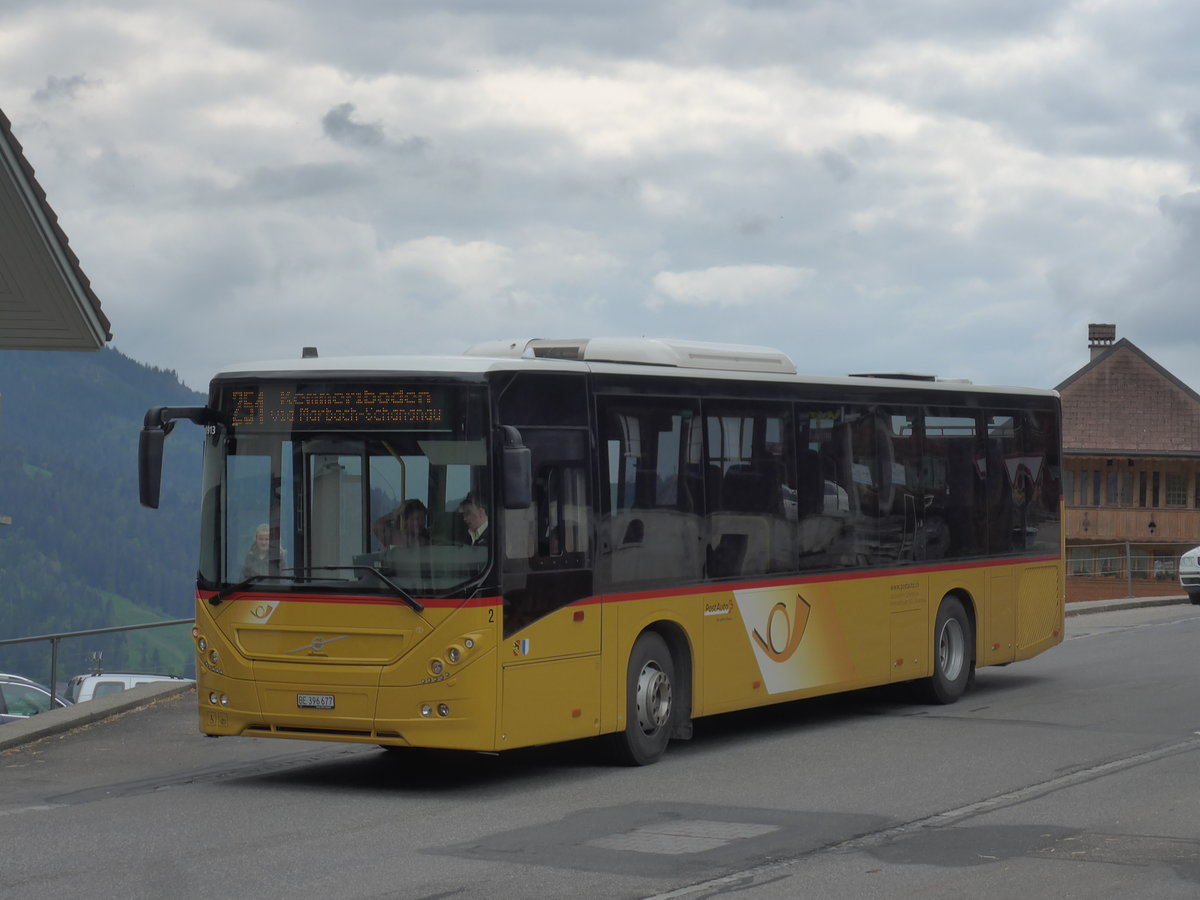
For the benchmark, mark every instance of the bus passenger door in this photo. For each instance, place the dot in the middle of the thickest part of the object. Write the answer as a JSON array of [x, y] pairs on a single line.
[[550, 654]]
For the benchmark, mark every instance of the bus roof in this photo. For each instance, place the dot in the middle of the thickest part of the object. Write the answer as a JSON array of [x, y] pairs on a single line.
[[614, 356]]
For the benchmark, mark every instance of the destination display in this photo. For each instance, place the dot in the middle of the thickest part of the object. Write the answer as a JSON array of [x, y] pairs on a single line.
[[344, 406]]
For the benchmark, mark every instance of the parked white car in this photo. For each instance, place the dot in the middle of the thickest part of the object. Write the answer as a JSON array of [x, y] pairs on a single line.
[[1189, 574], [88, 687], [21, 698]]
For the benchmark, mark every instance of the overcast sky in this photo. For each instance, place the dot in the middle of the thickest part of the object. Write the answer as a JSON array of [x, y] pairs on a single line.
[[933, 186]]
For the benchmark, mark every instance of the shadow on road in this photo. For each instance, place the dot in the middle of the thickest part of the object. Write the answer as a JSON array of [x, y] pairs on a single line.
[[421, 772]]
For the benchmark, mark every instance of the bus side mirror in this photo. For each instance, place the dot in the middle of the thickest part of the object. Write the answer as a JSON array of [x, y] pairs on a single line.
[[517, 462], [150, 457], [159, 422]]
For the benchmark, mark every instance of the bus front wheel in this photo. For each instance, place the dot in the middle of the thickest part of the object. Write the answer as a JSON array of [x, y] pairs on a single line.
[[649, 702], [953, 653]]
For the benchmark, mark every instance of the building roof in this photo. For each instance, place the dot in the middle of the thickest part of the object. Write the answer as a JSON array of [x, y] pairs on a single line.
[[46, 302], [1123, 403]]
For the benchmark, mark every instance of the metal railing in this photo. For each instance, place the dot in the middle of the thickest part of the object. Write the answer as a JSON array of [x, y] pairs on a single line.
[[1134, 568], [57, 637]]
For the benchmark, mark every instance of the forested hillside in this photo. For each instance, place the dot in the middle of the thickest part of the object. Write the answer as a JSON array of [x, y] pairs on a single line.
[[81, 552]]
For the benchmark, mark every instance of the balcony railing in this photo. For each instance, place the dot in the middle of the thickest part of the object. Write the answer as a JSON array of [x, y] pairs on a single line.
[[1112, 524]]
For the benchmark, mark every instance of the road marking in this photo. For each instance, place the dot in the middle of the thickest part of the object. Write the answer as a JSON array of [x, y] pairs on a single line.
[[776, 870], [16, 811]]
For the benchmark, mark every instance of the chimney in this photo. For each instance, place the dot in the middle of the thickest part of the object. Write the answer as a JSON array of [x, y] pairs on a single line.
[[1100, 338]]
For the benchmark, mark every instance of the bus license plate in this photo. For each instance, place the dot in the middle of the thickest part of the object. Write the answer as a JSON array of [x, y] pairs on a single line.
[[314, 701]]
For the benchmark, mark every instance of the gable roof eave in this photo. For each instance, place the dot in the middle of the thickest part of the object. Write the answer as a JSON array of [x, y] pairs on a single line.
[[1126, 344], [48, 301]]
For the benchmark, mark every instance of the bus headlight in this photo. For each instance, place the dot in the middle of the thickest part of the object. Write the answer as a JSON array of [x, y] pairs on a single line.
[[436, 666], [454, 654]]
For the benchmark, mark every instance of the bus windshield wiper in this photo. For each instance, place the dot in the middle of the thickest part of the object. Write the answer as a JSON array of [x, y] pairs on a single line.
[[220, 596], [400, 592], [293, 576]]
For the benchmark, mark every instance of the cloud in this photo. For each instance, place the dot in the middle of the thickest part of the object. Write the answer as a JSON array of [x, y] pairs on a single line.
[[57, 88], [339, 127], [729, 286], [840, 166], [865, 186]]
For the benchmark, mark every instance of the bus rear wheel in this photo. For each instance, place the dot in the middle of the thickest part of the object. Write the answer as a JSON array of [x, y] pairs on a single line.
[[953, 653], [649, 702]]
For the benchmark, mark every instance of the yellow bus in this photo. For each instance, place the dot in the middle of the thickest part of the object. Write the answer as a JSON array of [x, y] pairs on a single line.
[[544, 541]]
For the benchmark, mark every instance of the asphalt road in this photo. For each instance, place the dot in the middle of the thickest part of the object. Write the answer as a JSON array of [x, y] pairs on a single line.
[[1076, 774]]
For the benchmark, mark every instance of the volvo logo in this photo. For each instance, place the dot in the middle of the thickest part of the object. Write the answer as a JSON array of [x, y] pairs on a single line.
[[317, 645]]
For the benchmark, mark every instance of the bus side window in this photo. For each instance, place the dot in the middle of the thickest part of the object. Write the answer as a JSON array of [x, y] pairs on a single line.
[[651, 528], [955, 518], [1022, 493], [1041, 443], [901, 519], [560, 519], [751, 506], [554, 530], [824, 489]]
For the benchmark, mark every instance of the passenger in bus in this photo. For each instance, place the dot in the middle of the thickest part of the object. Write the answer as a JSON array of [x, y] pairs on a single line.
[[475, 517], [405, 526], [258, 557]]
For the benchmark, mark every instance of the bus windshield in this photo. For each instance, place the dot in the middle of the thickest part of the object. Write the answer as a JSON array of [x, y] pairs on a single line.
[[349, 488]]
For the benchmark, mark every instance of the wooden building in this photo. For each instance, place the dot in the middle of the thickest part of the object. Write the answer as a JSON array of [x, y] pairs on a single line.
[[1131, 453], [46, 302]]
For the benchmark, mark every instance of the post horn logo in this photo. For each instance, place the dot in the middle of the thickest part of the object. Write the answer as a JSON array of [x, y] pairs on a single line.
[[784, 637]]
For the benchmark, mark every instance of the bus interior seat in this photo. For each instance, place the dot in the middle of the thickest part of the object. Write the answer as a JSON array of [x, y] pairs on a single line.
[[727, 557], [819, 525], [746, 490], [810, 493], [635, 532], [712, 486]]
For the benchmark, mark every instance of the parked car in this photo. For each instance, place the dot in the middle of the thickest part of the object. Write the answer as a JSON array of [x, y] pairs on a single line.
[[1189, 573], [21, 698], [82, 688]]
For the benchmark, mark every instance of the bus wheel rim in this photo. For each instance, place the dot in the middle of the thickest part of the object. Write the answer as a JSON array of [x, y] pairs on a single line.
[[952, 649], [653, 698]]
